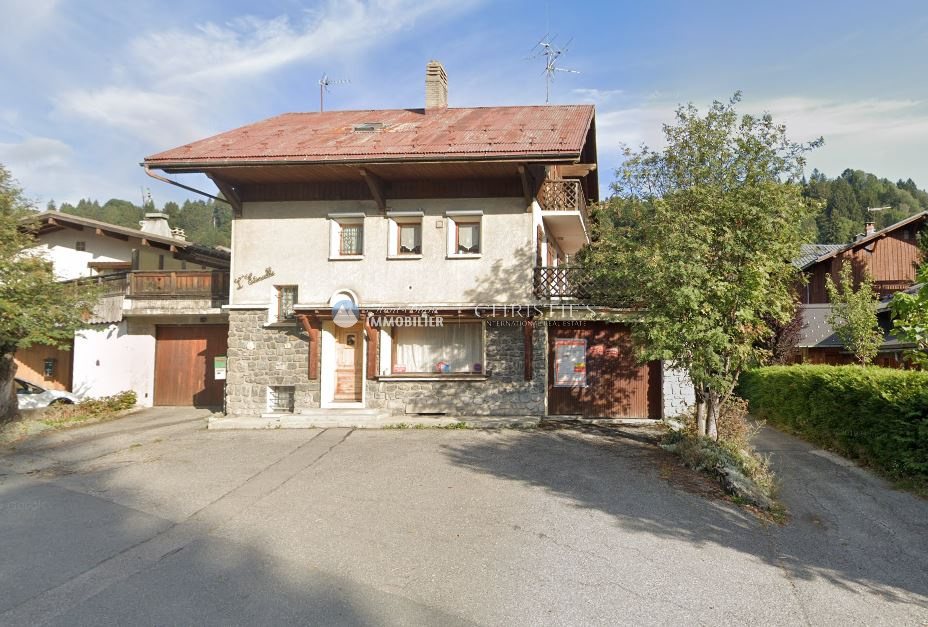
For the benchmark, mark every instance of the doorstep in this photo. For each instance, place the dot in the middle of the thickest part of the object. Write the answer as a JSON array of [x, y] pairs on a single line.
[[367, 420], [604, 422]]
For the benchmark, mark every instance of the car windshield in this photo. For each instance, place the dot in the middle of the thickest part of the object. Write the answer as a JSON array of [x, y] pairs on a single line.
[[22, 387]]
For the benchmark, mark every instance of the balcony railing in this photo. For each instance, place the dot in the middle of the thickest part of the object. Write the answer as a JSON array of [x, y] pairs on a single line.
[[886, 289], [562, 282], [178, 284], [562, 195]]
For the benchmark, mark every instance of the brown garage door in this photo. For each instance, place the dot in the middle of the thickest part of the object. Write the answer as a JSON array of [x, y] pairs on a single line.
[[592, 372], [184, 364]]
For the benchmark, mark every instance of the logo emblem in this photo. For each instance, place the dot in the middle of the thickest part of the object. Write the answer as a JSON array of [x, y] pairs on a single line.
[[345, 313]]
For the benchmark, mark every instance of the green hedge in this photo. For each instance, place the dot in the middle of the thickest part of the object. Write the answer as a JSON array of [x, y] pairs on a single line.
[[876, 415]]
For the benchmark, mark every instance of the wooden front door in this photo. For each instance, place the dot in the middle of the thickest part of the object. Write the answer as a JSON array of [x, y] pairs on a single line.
[[348, 364], [592, 372], [184, 364]]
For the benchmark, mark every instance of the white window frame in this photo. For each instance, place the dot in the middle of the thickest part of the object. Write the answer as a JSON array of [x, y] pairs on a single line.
[[396, 218], [337, 221], [452, 218]]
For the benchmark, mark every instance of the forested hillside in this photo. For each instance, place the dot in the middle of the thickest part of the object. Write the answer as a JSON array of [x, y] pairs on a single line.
[[204, 221], [847, 198]]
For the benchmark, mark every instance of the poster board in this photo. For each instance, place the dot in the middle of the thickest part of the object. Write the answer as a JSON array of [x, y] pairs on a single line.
[[219, 368], [569, 363]]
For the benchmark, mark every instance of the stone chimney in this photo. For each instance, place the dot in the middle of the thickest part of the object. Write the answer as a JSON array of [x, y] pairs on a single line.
[[156, 223], [869, 228], [436, 86]]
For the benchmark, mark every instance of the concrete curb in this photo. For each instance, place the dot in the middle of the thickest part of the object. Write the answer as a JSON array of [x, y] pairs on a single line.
[[296, 421]]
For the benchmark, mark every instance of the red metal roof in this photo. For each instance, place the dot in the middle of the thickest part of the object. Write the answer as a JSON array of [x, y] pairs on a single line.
[[466, 133]]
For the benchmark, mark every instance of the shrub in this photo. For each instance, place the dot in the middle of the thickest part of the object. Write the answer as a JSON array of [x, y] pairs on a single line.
[[91, 408], [732, 460], [876, 415]]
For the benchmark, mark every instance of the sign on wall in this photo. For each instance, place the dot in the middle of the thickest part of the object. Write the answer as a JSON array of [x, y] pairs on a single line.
[[569, 363], [219, 368]]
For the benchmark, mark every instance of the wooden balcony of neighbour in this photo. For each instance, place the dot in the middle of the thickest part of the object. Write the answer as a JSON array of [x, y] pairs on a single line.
[[562, 283], [886, 289], [179, 284]]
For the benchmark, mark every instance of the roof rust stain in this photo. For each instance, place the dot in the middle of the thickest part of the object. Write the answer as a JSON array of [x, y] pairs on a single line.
[[465, 133]]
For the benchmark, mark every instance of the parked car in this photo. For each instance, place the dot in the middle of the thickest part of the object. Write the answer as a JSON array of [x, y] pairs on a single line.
[[32, 396]]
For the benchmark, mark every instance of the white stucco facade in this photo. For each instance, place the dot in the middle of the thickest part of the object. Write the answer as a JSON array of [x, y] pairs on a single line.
[[108, 359], [294, 240]]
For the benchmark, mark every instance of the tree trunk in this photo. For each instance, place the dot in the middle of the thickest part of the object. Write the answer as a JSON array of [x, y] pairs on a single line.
[[712, 421], [9, 403], [700, 409]]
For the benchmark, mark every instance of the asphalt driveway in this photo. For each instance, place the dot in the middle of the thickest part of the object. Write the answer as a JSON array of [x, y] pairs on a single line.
[[154, 520]]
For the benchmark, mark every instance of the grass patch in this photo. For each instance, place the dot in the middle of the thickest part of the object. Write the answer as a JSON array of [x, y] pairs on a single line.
[[63, 416]]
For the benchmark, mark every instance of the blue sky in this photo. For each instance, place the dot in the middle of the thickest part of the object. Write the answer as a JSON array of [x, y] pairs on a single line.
[[89, 88]]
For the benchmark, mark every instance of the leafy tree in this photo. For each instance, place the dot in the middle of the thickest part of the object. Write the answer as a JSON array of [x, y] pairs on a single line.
[[698, 241], [853, 314], [34, 307], [910, 319]]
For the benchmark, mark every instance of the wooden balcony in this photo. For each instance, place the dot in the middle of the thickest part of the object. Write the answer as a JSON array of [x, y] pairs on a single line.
[[179, 284], [562, 283], [564, 212], [886, 289]]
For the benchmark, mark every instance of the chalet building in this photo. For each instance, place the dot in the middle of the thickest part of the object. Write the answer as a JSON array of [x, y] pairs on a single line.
[[890, 255], [160, 321], [417, 261]]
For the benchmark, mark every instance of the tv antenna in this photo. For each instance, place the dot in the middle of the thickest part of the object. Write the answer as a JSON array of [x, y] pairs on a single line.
[[324, 83], [546, 48]]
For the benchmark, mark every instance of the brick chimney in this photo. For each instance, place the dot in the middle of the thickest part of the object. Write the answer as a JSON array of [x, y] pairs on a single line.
[[436, 86], [869, 228]]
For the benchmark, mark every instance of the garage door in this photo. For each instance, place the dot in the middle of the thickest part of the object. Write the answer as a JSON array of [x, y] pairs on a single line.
[[592, 372], [184, 364]]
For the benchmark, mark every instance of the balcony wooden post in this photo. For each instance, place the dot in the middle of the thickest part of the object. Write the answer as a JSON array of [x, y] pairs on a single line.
[[313, 331], [529, 344], [372, 338]]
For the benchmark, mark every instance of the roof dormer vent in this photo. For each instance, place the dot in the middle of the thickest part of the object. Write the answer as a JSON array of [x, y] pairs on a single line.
[[367, 127]]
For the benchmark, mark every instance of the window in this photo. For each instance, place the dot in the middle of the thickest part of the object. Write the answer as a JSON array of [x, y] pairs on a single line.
[[451, 349], [347, 236], [350, 239], [409, 238], [161, 262], [465, 233], [286, 298], [81, 246], [467, 238], [280, 399]]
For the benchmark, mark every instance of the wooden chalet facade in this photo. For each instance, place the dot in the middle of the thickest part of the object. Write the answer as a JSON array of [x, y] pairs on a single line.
[[890, 255]]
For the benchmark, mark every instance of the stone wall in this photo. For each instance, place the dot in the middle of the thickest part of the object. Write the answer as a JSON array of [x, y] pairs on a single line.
[[260, 356], [678, 393], [504, 392]]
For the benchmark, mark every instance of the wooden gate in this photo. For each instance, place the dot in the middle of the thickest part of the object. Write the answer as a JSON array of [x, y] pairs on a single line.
[[184, 364], [592, 372]]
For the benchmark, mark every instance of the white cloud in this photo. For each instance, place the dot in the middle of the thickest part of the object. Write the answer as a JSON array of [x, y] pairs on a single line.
[[156, 118], [249, 46], [43, 163], [182, 78], [883, 136], [20, 19]]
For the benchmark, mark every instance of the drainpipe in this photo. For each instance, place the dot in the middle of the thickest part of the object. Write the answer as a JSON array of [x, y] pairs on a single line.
[[182, 186]]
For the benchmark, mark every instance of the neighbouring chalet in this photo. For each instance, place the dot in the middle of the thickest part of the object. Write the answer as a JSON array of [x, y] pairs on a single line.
[[890, 255], [159, 323], [417, 261]]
